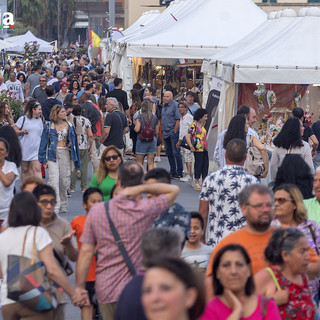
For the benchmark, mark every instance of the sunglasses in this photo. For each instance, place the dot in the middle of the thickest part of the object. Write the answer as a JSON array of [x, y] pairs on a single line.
[[282, 200], [114, 157], [74, 99]]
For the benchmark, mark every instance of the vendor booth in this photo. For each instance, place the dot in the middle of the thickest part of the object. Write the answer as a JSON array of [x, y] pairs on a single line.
[[188, 30], [273, 69]]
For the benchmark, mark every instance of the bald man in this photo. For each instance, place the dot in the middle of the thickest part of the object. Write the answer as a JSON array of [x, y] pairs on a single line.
[[170, 117]]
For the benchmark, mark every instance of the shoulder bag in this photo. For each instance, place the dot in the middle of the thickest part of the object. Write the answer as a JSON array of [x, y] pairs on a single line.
[[28, 283], [254, 162], [119, 242], [184, 143]]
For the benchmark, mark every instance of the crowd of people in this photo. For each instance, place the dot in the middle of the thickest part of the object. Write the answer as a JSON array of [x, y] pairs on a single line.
[[251, 251]]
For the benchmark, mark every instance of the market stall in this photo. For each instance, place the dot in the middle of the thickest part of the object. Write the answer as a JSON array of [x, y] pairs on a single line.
[[177, 34], [282, 64]]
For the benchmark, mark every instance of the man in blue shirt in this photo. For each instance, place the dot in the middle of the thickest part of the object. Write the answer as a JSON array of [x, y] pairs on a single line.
[[170, 117]]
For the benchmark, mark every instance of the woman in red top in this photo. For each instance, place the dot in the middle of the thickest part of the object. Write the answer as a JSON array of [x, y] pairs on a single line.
[[286, 280]]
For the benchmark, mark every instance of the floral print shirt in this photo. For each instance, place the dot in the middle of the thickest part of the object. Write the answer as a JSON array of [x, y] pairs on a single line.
[[221, 189], [200, 134]]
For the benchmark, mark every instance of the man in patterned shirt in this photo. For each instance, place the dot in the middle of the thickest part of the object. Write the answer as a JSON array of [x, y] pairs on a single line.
[[219, 204], [132, 216]]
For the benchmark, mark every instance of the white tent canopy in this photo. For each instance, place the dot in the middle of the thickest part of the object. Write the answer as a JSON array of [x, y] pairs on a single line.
[[191, 29], [143, 21], [5, 45], [290, 54], [19, 41], [202, 28]]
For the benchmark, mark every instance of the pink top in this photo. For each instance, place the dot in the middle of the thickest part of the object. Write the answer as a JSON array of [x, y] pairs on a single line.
[[217, 310]]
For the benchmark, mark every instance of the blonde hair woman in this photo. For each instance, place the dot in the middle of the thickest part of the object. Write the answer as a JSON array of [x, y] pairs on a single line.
[[106, 175], [58, 147]]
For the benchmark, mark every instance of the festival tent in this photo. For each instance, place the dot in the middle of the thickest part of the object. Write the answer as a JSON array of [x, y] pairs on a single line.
[[289, 55], [189, 29], [19, 41], [208, 27], [144, 20]]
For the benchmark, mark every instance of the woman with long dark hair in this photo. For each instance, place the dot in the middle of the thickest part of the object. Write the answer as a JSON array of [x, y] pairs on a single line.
[[135, 106], [288, 173], [5, 114], [238, 128], [234, 289], [289, 141]]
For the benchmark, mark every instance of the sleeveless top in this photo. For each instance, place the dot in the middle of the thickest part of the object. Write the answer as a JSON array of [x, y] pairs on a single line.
[[300, 305], [63, 134]]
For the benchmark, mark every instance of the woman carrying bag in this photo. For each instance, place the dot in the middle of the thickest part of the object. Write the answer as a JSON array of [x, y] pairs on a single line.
[[198, 133], [26, 226]]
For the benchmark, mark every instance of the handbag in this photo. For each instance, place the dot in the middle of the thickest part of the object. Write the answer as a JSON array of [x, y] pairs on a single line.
[[184, 143], [27, 281], [65, 266], [254, 162], [119, 242]]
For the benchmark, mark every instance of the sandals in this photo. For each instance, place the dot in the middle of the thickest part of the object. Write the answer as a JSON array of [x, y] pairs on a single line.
[[197, 187]]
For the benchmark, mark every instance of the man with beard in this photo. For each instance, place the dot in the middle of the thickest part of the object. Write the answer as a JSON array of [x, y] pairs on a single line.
[[256, 202]]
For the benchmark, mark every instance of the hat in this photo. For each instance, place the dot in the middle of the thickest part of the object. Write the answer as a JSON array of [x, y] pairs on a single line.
[[62, 84], [68, 105], [60, 74]]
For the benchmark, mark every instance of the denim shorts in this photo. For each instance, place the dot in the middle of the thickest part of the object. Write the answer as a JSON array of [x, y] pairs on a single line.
[[146, 147]]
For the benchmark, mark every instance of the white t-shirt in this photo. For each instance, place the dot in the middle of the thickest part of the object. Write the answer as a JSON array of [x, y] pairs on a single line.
[[199, 258], [30, 142], [16, 89], [6, 193], [11, 241]]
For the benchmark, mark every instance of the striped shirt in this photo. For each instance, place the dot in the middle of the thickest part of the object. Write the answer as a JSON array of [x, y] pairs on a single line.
[[132, 219]]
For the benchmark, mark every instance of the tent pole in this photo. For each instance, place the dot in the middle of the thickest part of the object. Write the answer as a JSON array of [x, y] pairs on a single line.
[[236, 99]]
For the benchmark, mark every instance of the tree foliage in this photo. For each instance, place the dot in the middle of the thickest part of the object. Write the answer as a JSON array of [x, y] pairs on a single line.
[[42, 15]]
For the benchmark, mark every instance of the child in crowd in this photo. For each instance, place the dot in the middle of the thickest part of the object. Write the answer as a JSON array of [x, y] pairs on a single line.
[[194, 252], [90, 197]]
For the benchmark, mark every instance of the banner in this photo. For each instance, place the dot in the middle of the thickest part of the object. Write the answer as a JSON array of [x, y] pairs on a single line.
[[212, 122], [94, 39]]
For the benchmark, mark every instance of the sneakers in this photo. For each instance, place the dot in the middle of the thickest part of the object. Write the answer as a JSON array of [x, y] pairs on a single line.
[[157, 159], [185, 179]]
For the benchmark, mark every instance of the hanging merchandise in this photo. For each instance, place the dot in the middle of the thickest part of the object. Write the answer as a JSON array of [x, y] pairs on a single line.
[[261, 96]]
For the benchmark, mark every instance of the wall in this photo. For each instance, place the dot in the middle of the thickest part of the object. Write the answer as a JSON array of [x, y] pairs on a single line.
[[133, 9]]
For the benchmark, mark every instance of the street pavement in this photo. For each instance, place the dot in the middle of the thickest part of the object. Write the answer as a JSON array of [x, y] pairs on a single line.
[[188, 198]]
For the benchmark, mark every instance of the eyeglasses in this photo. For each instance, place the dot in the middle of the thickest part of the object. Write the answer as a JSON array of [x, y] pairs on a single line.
[[260, 206], [282, 200], [46, 202], [43, 80], [114, 157]]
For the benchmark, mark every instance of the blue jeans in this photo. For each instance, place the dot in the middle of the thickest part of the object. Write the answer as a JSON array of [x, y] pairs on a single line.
[[173, 153]]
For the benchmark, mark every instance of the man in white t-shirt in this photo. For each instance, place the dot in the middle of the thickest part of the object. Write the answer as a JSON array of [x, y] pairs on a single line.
[[185, 122], [15, 86], [194, 252]]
